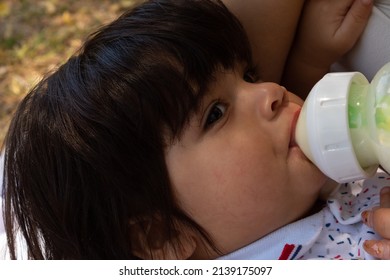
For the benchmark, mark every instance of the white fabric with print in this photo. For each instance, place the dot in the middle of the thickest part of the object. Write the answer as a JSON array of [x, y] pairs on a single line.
[[336, 232]]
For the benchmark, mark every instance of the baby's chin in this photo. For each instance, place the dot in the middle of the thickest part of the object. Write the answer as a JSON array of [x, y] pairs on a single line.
[[307, 173]]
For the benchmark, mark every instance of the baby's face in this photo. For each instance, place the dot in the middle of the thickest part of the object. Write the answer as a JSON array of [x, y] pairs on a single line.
[[237, 170]]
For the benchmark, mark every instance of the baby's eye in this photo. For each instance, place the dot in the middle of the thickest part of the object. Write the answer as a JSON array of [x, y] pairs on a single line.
[[216, 112], [250, 76]]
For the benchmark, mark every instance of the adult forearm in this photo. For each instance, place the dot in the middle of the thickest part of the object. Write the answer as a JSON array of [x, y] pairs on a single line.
[[271, 26]]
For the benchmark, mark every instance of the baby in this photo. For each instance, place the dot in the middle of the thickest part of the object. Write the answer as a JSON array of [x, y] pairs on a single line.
[[161, 140]]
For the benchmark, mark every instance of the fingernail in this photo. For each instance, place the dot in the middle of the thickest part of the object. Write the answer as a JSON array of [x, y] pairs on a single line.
[[366, 218], [373, 247]]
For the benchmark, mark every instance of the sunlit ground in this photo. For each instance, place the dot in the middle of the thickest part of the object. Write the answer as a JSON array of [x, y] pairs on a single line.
[[38, 35]]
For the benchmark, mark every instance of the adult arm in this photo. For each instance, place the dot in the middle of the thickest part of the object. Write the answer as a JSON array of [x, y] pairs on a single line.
[[270, 26]]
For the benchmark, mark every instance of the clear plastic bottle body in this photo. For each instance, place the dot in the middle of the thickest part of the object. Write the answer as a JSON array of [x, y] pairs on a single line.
[[380, 88], [361, 125]]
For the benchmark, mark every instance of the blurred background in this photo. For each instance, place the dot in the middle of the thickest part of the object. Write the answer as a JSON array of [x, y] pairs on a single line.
[[38, 35]]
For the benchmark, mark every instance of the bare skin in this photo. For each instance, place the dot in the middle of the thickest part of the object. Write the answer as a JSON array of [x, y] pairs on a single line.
[[270, 48]]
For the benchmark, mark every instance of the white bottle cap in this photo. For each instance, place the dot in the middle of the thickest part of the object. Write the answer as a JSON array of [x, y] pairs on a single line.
[[328, 141]]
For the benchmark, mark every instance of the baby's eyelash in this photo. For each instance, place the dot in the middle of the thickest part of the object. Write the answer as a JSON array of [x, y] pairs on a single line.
[[250, 74], [215, 113]]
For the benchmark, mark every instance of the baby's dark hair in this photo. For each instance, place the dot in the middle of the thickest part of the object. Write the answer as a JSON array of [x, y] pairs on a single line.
[[84, 155]]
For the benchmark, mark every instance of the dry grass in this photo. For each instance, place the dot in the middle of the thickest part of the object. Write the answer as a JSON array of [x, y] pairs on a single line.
[[36, 36]]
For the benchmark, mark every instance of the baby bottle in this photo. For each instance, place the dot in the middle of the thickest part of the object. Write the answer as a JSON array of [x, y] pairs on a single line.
[[344, 125]]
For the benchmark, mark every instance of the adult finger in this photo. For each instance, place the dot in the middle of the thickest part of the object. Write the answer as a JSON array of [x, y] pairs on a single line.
[[385, 197], [379, 217], [355, 21], [378, 248]]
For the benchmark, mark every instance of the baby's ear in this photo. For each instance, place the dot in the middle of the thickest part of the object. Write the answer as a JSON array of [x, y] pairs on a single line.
[[148, 241]]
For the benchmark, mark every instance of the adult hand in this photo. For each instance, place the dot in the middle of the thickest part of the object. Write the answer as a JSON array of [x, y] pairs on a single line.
[[379, 220], [328, 29]]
